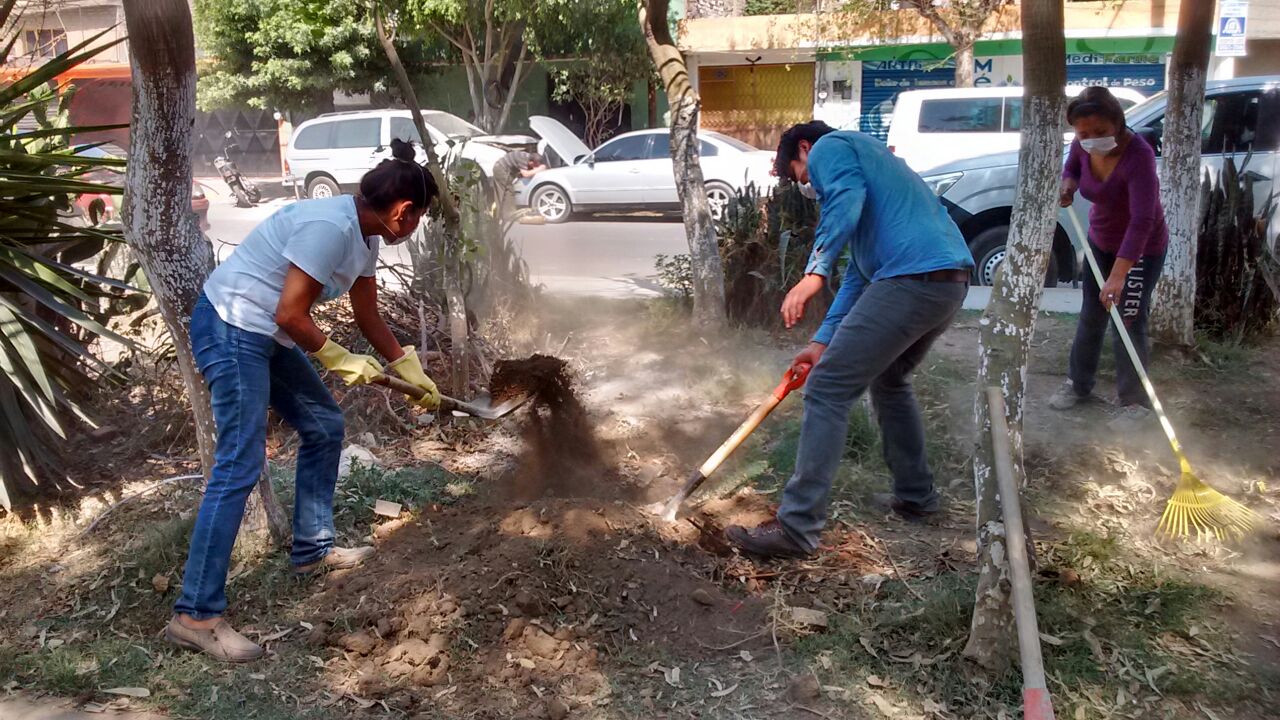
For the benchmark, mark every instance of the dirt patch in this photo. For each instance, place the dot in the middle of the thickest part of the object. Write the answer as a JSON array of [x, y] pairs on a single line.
[[522, 608]]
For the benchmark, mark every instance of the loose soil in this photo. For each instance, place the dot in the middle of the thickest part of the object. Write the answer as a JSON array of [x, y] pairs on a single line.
[[551, 593]]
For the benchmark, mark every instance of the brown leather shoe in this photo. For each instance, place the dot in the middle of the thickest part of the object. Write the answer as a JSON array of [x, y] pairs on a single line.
[[767, 540], [336, 559], [221, 642]]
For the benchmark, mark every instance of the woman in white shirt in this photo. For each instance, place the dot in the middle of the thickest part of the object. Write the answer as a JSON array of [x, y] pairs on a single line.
[[249, 331]]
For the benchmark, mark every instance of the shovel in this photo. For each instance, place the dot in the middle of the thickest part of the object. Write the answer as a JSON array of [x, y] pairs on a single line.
[[793, 379], [481, 407]]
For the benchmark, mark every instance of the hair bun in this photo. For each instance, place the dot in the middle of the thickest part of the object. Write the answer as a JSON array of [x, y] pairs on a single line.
[[402, 150]]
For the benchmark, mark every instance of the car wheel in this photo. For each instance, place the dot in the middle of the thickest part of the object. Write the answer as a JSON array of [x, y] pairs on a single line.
[[719, 196], [989, 249], [552, 203], [323, 187]]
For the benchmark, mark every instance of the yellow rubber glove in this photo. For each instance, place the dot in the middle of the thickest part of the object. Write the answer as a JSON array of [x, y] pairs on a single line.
[[354, 369], [409, 367]]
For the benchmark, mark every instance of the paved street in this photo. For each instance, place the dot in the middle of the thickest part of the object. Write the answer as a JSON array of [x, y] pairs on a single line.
[[602, 256], [610, 257]]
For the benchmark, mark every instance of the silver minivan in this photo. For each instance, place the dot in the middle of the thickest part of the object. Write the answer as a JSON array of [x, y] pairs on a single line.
[[329, 154], [1241, 120]]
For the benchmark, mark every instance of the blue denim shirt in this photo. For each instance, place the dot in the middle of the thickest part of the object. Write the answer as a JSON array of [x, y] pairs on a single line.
[[891, 221]]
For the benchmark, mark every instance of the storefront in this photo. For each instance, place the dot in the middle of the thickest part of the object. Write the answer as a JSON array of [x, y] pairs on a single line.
[[885, 72]]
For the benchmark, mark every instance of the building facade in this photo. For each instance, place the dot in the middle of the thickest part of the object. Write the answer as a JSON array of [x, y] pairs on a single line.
[[758, 74]]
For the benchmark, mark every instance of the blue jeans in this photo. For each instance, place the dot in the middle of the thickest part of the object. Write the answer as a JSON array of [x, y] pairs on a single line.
[[879, 343], [247, 372]]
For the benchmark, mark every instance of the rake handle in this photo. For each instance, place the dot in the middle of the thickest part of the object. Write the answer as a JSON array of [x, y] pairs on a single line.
[[1132, 351]]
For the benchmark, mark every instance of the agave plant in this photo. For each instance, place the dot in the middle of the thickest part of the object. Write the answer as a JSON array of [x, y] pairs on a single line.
[[1235, 295], [50, 307]]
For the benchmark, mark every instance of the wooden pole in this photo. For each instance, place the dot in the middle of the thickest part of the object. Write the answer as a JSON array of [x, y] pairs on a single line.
[[1035, 694]]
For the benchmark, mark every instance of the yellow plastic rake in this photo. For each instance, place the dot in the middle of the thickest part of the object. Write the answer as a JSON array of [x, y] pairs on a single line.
[[1194, 506]]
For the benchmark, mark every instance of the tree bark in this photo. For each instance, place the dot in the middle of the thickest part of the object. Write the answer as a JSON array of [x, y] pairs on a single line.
[[704, 249], [1173, 308], [158, 223], [1008, 324], [964, 63]]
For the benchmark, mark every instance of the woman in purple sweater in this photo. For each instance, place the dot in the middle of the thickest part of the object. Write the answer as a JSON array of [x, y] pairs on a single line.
[[1115, 170]]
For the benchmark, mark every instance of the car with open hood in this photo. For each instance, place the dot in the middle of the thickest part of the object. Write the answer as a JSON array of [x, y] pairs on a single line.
[[329, 154], [633, 171]]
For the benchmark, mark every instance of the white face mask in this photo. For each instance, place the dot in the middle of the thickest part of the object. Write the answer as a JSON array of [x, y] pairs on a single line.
[[806, 189], [1100, 145]]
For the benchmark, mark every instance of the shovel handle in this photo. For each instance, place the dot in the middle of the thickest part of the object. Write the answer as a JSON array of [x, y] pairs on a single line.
[[447, 404], [792, 379]]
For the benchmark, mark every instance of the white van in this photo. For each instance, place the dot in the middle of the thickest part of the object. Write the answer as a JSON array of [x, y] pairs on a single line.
[[932, 127], [329, 154]]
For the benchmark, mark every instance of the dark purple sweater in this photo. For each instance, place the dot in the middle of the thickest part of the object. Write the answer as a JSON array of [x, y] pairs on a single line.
[[1126, 218]]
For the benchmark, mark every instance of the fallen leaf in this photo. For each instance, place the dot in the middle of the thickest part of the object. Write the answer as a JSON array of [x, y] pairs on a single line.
[[884, 706], [807, 616], [725, 691], [932, 707], [1047, 638], [526, 663], [160, 582], [672, 676], [257, 676], [1080, 714], [875, 681], [866, 643], [746, 656], [306, 625], [137, 692]]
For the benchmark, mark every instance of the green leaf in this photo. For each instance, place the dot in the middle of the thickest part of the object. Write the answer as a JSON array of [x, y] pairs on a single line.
[[49, 300]]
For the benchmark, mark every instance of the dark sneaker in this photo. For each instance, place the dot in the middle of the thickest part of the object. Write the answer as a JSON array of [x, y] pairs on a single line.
[[1132, 418], [1066, 397], [767, 540], [888, 502]]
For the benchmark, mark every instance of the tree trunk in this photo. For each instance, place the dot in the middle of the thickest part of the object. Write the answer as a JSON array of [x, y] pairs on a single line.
[[459, 362], [651, 93], [704, 250], [1173, 308], [158, 221], [1008, 323], [964, 63]]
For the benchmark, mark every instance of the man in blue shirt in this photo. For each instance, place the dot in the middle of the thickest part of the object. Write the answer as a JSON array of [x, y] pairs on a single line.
[[907, 277]]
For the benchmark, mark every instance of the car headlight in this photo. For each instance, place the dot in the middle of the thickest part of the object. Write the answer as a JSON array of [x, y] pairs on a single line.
[[940, 184]]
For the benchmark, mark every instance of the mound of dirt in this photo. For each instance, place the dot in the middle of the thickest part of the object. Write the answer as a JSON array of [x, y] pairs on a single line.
[[525, 611]]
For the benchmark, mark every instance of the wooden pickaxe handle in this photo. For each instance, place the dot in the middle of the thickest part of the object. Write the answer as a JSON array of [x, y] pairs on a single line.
[[792, 380]]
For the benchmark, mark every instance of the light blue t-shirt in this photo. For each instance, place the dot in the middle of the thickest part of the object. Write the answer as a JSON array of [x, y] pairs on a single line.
[[321, 237]]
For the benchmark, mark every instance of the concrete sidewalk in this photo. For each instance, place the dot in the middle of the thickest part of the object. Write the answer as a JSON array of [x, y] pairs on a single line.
[[1061, 299]]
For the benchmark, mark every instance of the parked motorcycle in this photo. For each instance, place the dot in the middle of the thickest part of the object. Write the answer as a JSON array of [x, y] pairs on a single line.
[[246, 191]]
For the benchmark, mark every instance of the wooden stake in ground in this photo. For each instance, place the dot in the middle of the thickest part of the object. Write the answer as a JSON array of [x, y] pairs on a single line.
[[1007, 325], [704, 249], [1036, 704], [1173, 305]]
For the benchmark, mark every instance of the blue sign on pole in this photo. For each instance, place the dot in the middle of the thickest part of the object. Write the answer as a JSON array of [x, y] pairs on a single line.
[[1231, 25]]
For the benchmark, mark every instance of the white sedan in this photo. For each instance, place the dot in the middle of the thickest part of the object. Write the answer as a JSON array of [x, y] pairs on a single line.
[[633, 171]]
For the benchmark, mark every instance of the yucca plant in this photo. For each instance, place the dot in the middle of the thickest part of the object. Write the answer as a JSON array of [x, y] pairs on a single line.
[[50, 308]]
